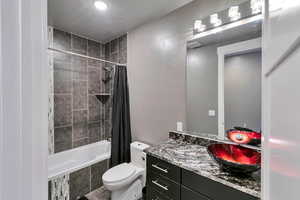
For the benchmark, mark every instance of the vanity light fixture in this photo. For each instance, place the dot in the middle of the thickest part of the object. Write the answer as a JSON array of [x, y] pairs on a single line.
[[256, 6], [100, 5], [233, 13], [198, 26], [215, 20]]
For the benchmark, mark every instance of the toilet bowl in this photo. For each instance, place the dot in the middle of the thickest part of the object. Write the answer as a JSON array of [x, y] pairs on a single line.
[[126, 180]]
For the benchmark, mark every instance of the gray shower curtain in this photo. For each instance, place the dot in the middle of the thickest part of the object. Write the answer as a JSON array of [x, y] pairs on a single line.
[[121, 130]]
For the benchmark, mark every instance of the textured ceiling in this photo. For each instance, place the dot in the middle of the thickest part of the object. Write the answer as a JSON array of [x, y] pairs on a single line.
[[81, 17]]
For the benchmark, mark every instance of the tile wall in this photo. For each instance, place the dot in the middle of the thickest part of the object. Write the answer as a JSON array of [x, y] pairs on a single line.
[[87, 179], [76, 116], [115, 51], [79, 117], [77, 184]]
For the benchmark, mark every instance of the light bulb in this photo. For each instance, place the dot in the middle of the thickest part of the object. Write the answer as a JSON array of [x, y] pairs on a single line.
[[198, 26], [256, 6], [234, 13], [214, 19]]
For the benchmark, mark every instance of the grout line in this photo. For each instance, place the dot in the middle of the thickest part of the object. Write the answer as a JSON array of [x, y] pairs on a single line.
[[94, 122], [63, 126], [92, 66], [83, 138], [83, 109], [87, 92], [90, 178], [94, 94], [103, 106], [79, 80], [60, 94], [72, 94]]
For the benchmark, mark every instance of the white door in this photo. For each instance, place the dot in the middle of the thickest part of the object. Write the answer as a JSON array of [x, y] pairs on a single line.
[[23, 100], [281, 91]]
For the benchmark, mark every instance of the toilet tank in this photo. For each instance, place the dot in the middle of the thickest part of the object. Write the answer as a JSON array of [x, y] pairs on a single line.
[[138, 157]]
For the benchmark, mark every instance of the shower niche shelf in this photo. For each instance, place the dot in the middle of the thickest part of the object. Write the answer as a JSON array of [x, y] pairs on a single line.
[[103, 97]]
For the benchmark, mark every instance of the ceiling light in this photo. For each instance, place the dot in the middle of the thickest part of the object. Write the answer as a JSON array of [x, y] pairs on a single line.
[[234, 13], [198, 26], [256, 6], [214, 19], [100, 5]]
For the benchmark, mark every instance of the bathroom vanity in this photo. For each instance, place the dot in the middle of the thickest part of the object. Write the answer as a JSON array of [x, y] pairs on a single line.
[[181, 169]]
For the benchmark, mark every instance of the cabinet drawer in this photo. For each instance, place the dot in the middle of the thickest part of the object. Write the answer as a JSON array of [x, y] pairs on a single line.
[[163, 168], [212, 189], [152, 194], [187, 194], [164, 186]]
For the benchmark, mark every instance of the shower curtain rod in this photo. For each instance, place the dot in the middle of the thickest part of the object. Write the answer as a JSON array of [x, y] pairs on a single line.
[[84, 56]]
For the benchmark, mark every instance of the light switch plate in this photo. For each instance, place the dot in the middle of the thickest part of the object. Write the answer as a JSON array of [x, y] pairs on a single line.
[[179, 126], [211, 113]]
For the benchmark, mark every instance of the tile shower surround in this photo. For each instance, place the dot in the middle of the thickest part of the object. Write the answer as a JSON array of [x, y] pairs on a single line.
[[77, 184], [76, 116], [79, 117]]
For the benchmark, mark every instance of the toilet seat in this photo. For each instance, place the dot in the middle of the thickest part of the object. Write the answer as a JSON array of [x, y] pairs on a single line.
[[119, 173]]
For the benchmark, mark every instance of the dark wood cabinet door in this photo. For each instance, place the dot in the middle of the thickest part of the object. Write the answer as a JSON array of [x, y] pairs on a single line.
[[187, 194], [163, 168], [164, 186], [152, 194], [212, 189], [169, 182]]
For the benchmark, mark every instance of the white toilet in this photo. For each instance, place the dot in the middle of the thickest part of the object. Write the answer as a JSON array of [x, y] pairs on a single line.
[[126, 181]]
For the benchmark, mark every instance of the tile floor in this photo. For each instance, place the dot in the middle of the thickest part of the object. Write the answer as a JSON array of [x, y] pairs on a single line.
[[99, 194]]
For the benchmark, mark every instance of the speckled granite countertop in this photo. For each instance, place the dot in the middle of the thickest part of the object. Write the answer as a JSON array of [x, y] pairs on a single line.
[[195, 158]]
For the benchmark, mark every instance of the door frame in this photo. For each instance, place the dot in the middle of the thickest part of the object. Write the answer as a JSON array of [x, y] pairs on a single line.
[[271, 65], [229, 50], [23, 100], [1, 108]]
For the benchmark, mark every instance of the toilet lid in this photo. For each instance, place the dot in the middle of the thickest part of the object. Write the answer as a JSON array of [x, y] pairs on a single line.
[[119, 173]]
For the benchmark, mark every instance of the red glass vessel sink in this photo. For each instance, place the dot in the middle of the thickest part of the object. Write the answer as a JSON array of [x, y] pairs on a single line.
[[244, 136], [234, 158]]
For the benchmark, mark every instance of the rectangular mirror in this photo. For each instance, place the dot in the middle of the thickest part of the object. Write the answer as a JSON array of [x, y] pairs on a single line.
[[224, 79], [242, 93], [239, 88]]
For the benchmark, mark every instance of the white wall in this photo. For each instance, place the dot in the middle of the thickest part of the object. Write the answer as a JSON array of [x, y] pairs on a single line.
[[202, 89], [156, 70]]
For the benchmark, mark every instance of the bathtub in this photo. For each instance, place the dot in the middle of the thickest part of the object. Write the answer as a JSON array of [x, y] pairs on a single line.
[[72, 160]]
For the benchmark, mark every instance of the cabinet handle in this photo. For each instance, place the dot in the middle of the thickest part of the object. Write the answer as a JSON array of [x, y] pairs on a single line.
[[159, 185], [159, 168]]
